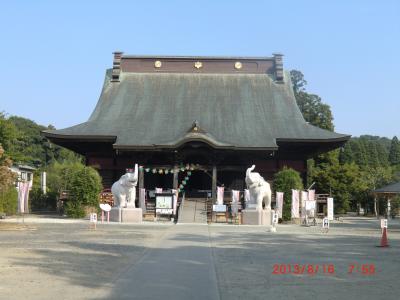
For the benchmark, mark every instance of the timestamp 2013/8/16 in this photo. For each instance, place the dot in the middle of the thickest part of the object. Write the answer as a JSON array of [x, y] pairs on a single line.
[[328, 269]]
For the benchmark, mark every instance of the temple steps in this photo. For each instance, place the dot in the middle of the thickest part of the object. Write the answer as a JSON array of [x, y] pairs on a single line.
[[193, 210]]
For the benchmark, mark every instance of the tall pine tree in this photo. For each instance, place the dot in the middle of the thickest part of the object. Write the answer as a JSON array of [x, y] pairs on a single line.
[[394, 153]]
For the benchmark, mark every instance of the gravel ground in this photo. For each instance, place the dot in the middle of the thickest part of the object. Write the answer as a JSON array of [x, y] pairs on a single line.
[[51, 258]]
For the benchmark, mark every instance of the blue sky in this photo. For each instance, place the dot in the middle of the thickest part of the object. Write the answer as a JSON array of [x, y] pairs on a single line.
[[54, 54]]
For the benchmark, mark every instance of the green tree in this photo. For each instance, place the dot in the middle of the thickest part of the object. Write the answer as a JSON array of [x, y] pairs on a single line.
[[394, 152], [313, 109], [8, 194], [8, 134], [284, 181], [342, 182]]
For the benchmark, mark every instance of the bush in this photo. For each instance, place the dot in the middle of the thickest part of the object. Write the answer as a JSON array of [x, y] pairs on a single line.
[[74, 209], [9, 201], [82, 183], [284, 181], [38, 200]]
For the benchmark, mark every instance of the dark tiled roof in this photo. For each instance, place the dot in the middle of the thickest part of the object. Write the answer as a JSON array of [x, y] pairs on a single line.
[[232, 110], [391, 188]]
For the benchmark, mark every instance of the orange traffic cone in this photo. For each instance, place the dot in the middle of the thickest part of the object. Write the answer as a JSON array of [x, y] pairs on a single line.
[[384, 239]]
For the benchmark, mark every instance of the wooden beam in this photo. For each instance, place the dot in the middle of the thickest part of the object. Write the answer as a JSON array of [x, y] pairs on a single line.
[[214, 183], [141, 178], [175, 178]]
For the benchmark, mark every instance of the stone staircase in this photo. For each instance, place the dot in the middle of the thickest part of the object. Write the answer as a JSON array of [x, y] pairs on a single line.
[[193, 210]]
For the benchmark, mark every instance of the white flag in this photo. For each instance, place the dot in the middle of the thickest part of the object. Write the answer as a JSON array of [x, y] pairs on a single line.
[[142, 199], [295, 203], [279, 203], [220, 195], [235, 202]]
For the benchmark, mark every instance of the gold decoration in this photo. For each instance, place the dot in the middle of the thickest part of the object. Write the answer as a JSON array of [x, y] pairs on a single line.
[[198, 64], [238, 65], [157, 64]]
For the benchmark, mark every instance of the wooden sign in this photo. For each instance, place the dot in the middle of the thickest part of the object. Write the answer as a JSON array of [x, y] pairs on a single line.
[[325, 223]]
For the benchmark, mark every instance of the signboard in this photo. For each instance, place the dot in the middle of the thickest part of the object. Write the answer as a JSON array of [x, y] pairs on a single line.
[[275, 218], [384, 223], [330, 208], [219, 208], [164, 204], [325, 223], [93, 218]]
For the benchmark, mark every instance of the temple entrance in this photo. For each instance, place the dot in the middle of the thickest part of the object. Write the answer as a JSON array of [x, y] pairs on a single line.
[[199, 185]]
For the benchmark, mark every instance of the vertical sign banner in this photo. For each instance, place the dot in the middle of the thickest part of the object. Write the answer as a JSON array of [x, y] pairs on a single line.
[[246, 197], [295, 203], [23, 196], [311, 195], [142, 199], [304, 198], [220, 195], [330, 209], [235, 202], [384, 223], [175, 200], [279, 203]]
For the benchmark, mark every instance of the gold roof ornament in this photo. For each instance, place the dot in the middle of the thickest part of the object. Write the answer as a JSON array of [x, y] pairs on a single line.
[[198, 64], [157, 64], [238, 65]]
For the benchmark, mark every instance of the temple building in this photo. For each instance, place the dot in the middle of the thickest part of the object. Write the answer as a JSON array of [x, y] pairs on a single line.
[[211, 117]]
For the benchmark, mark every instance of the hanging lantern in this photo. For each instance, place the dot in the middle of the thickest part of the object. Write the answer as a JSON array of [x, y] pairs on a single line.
[[184, 181], [166, 171], [181, 186], [182, 169], [154, 171], [187, 167], [147, 170], [160, 171], [189, 173], [187, 178]]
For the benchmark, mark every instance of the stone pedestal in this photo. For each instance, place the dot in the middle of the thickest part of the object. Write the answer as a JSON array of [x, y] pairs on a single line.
[[126, 215], [256, 217]]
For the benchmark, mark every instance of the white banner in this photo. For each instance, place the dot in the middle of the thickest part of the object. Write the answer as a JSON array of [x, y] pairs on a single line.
[[330, 209], [246, 197], [311, 195], [304, 198], [142, 199], [235, 201], [23, 196], [220, 195], [158, 190], [175, 192], [279, 203], [295, 203]]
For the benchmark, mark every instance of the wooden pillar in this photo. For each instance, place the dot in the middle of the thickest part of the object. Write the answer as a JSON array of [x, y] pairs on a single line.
[[141, 178], [175, 178], [214, 183]]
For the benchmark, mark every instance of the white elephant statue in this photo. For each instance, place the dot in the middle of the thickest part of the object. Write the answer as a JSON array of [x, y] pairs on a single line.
[[124, 190], [260, 190]]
